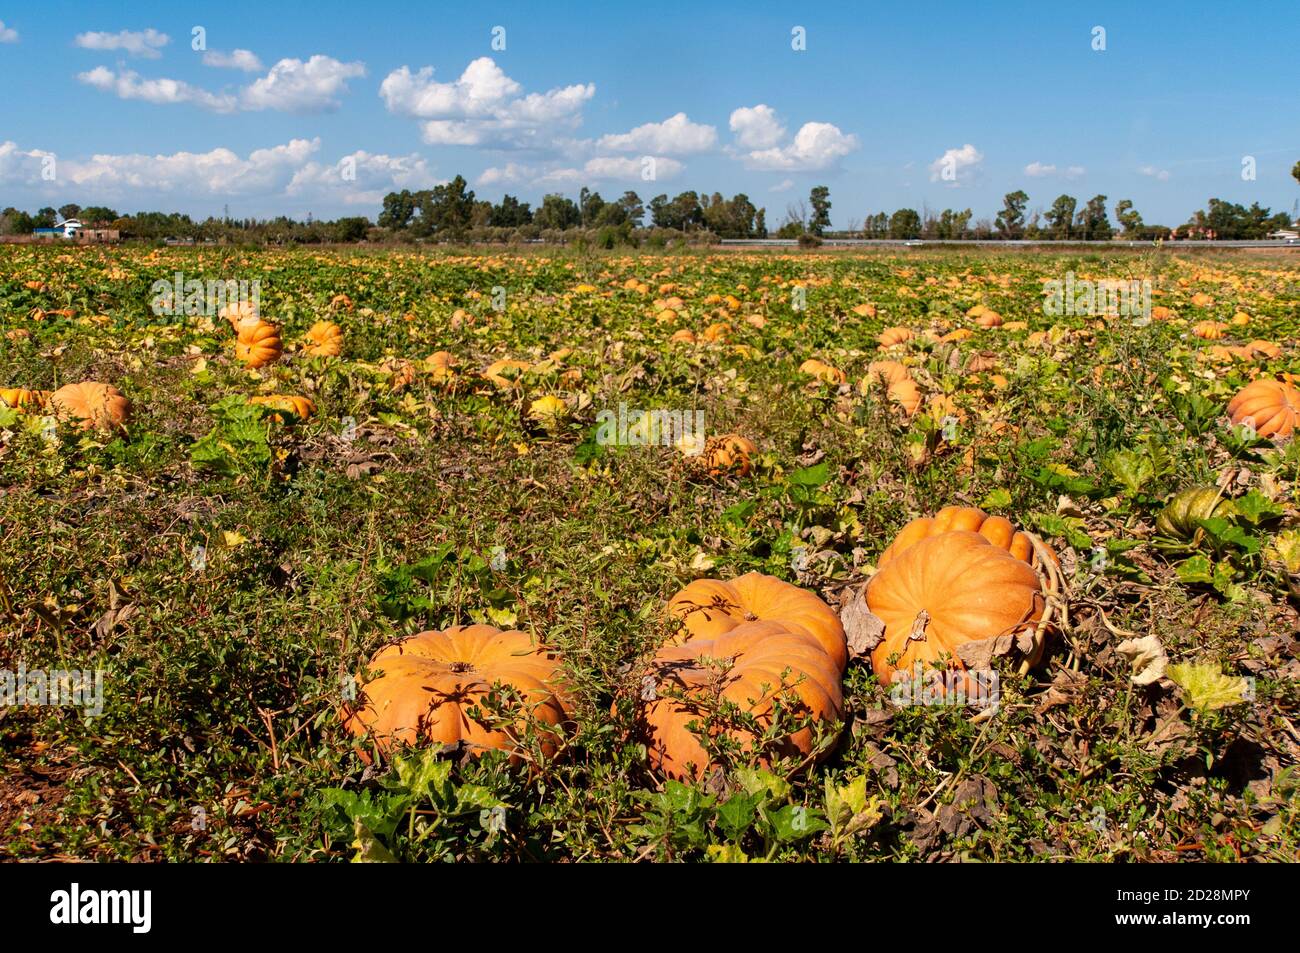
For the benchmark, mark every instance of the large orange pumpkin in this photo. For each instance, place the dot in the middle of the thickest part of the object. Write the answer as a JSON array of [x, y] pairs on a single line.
[[822, 371], [257, 343], [712, 607], [324, 339], [1269, 406], [21, 398], [300, 407], [426, 685], [945, 591], [996, 529], [729, 453], [753, 665], [891, 372], [94, 405], [892, 336]]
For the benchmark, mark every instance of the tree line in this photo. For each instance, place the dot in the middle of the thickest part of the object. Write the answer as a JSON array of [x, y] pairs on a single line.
[[452, 212]]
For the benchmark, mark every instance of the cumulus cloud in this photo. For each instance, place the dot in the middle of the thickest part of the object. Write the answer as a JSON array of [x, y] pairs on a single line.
[[145, 44], [245, 60], [956, 165], [7, 33], [1040, 170], [599, 168], [817, 145], [756, 127], [291, 86], [18, 167], [676, 135], [362, 178], [1161, 175], [484, 107], [296, 86], [217, 172], [785, 185], [129, 85]]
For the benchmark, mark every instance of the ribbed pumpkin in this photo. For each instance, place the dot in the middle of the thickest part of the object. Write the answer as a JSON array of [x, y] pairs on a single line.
[[425, 686], [257, 343], [1269, 406], [989, 319], [710, 607], [945, 591], [238, 311], [324, 339], [441, 366], [755, 665], [22, 398], [94, 405], [996, 529], [506, 373], [893, 336], [1178, 518], [728, 453], [1208, 330], [822, 371], [906, 394], [891, 372], [300, 407]]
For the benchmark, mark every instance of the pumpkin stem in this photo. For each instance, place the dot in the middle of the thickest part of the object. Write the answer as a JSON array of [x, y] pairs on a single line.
[[918, 627], [461, 667]]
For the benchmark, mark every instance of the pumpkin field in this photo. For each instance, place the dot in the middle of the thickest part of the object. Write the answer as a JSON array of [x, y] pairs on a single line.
[[679, 555]]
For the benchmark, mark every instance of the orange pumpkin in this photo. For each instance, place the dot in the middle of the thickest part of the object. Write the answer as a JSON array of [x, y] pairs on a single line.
[[1269, 406], [506, 373], [823, 372], [94, 405], [1208, 330], [945, 591], [753, 665], [891, 372], [989, 319], [257, 343], [906, 394], [324, 339], [729, 453], [710, 607], [893, 336], [300, 407], [683, 336], [21, 398], [997, 530], [425, 686]]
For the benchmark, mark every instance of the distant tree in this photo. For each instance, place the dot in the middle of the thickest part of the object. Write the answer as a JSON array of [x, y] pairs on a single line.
[[44, 218], [557, 212], [590, 205], [760, 224], [1128, 217], [1060, 216], [634, 210], [1092, 220], [1295, 171], [1011, 220], [15, 222], [96, 215], [820, 200], [905, 223], [510, 213], [682, 213], [71, 210], [351, 229], [1228, 220], [399, 207], [952, 224]]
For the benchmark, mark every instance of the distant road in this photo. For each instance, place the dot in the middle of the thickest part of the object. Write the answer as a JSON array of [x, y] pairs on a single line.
[[915, 243]]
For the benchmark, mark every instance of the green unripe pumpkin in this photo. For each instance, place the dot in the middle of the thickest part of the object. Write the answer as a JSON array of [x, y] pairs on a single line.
[[1178, 519]]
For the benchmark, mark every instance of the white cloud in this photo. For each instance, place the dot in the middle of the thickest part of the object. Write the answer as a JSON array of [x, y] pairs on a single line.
[[607, 168], [756, 127], [361, 178], [245, 60], [129, 85], [290, 86], [18, 167], [217, 172], [785, 185], [956, 165], [817, 145], [484, 107], [1039, 170], [7, 33], [296, 86], [144, 44], [1161, 175], [676, 135]]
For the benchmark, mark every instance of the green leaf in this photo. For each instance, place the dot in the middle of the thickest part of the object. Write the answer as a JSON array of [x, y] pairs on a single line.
[[1206, 688], [1198, 569], [795, 822], [737, 814], [762, 781], [370, 850], [726, 854], [1132, 470], [1256, 508], [998, 499], [810, 476]]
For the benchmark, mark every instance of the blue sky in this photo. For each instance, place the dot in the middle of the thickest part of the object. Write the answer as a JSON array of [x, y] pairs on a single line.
[[329, 106]]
